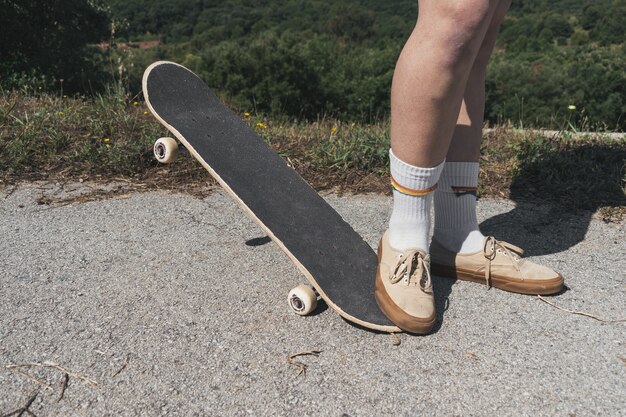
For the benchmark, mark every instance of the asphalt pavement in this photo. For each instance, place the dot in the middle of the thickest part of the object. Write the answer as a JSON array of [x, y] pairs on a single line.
[[159, 303]]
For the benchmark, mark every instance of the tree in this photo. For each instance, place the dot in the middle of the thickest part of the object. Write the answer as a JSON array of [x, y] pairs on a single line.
[[352, 24], [50, 37]]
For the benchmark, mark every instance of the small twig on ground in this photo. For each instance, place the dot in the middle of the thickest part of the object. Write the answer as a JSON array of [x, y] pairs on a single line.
[[472, 356], [291, 360], [395, 339], [20, 411], [64, 382], [32, 378], [54, 366], [580, 313], [123, 366]]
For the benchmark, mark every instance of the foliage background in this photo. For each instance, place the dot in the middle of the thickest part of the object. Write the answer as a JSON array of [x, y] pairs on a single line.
[[313, 59]]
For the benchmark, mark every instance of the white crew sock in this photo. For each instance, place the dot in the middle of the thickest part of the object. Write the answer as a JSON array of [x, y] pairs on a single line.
[[409, 224], [456, 226]]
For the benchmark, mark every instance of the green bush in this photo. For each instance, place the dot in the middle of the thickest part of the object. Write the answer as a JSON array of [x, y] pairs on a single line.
[[49, 39], [315, 59], [536, 89]]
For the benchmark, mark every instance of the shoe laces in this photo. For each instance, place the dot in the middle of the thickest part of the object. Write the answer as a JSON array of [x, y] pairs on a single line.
[[411, 262], [493, 247]]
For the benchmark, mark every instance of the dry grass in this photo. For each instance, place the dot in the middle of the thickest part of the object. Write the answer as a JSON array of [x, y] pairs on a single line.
[[110, 137]]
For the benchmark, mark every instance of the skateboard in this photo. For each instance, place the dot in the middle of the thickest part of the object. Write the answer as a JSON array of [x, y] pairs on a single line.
[[339, 265]]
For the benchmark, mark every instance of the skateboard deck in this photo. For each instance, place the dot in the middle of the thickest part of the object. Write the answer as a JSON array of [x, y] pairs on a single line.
[[337, 262]]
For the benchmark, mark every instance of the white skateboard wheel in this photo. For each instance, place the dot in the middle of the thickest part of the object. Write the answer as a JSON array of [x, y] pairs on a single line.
[[165, 150], [302, 300]]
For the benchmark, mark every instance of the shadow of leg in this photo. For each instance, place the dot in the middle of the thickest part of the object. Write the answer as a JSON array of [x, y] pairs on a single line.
[[558, 186], [540, 229]]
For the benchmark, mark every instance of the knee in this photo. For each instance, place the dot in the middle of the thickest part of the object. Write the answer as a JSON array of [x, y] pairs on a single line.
[[470, 18], [462, 24]]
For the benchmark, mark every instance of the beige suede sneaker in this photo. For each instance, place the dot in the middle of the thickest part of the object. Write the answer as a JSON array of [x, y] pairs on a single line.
[[499, 264], [404, 290]]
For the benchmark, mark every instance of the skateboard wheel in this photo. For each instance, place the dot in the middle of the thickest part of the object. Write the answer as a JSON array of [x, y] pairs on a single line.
[[302, 300], [165, 150]]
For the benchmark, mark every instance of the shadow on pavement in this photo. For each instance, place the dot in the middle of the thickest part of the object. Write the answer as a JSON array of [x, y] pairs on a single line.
[[442, 288], [321, 307], [558, 187], [258, 241]]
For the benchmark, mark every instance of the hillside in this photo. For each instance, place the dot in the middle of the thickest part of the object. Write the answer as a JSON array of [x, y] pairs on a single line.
[[311, 58], [559, 63]]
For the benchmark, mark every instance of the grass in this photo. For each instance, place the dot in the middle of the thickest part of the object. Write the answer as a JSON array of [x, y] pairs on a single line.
[[109, 136], [44, 135]]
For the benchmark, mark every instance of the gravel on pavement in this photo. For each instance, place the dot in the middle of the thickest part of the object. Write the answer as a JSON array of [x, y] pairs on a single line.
[[166, 304]]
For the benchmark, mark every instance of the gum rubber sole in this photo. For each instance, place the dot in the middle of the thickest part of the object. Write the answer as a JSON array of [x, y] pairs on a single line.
[[408, 323], [529, 287]]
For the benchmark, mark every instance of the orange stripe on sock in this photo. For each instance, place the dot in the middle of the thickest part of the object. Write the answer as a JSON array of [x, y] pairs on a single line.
[[409, 191]]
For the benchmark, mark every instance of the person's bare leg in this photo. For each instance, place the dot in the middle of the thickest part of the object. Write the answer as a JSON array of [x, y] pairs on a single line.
[[458, 248], [465, 144], [426, 95], [431, 75], [456, 225]]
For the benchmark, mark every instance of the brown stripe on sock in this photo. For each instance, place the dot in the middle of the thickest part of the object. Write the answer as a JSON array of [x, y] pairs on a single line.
[[461, 190]]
